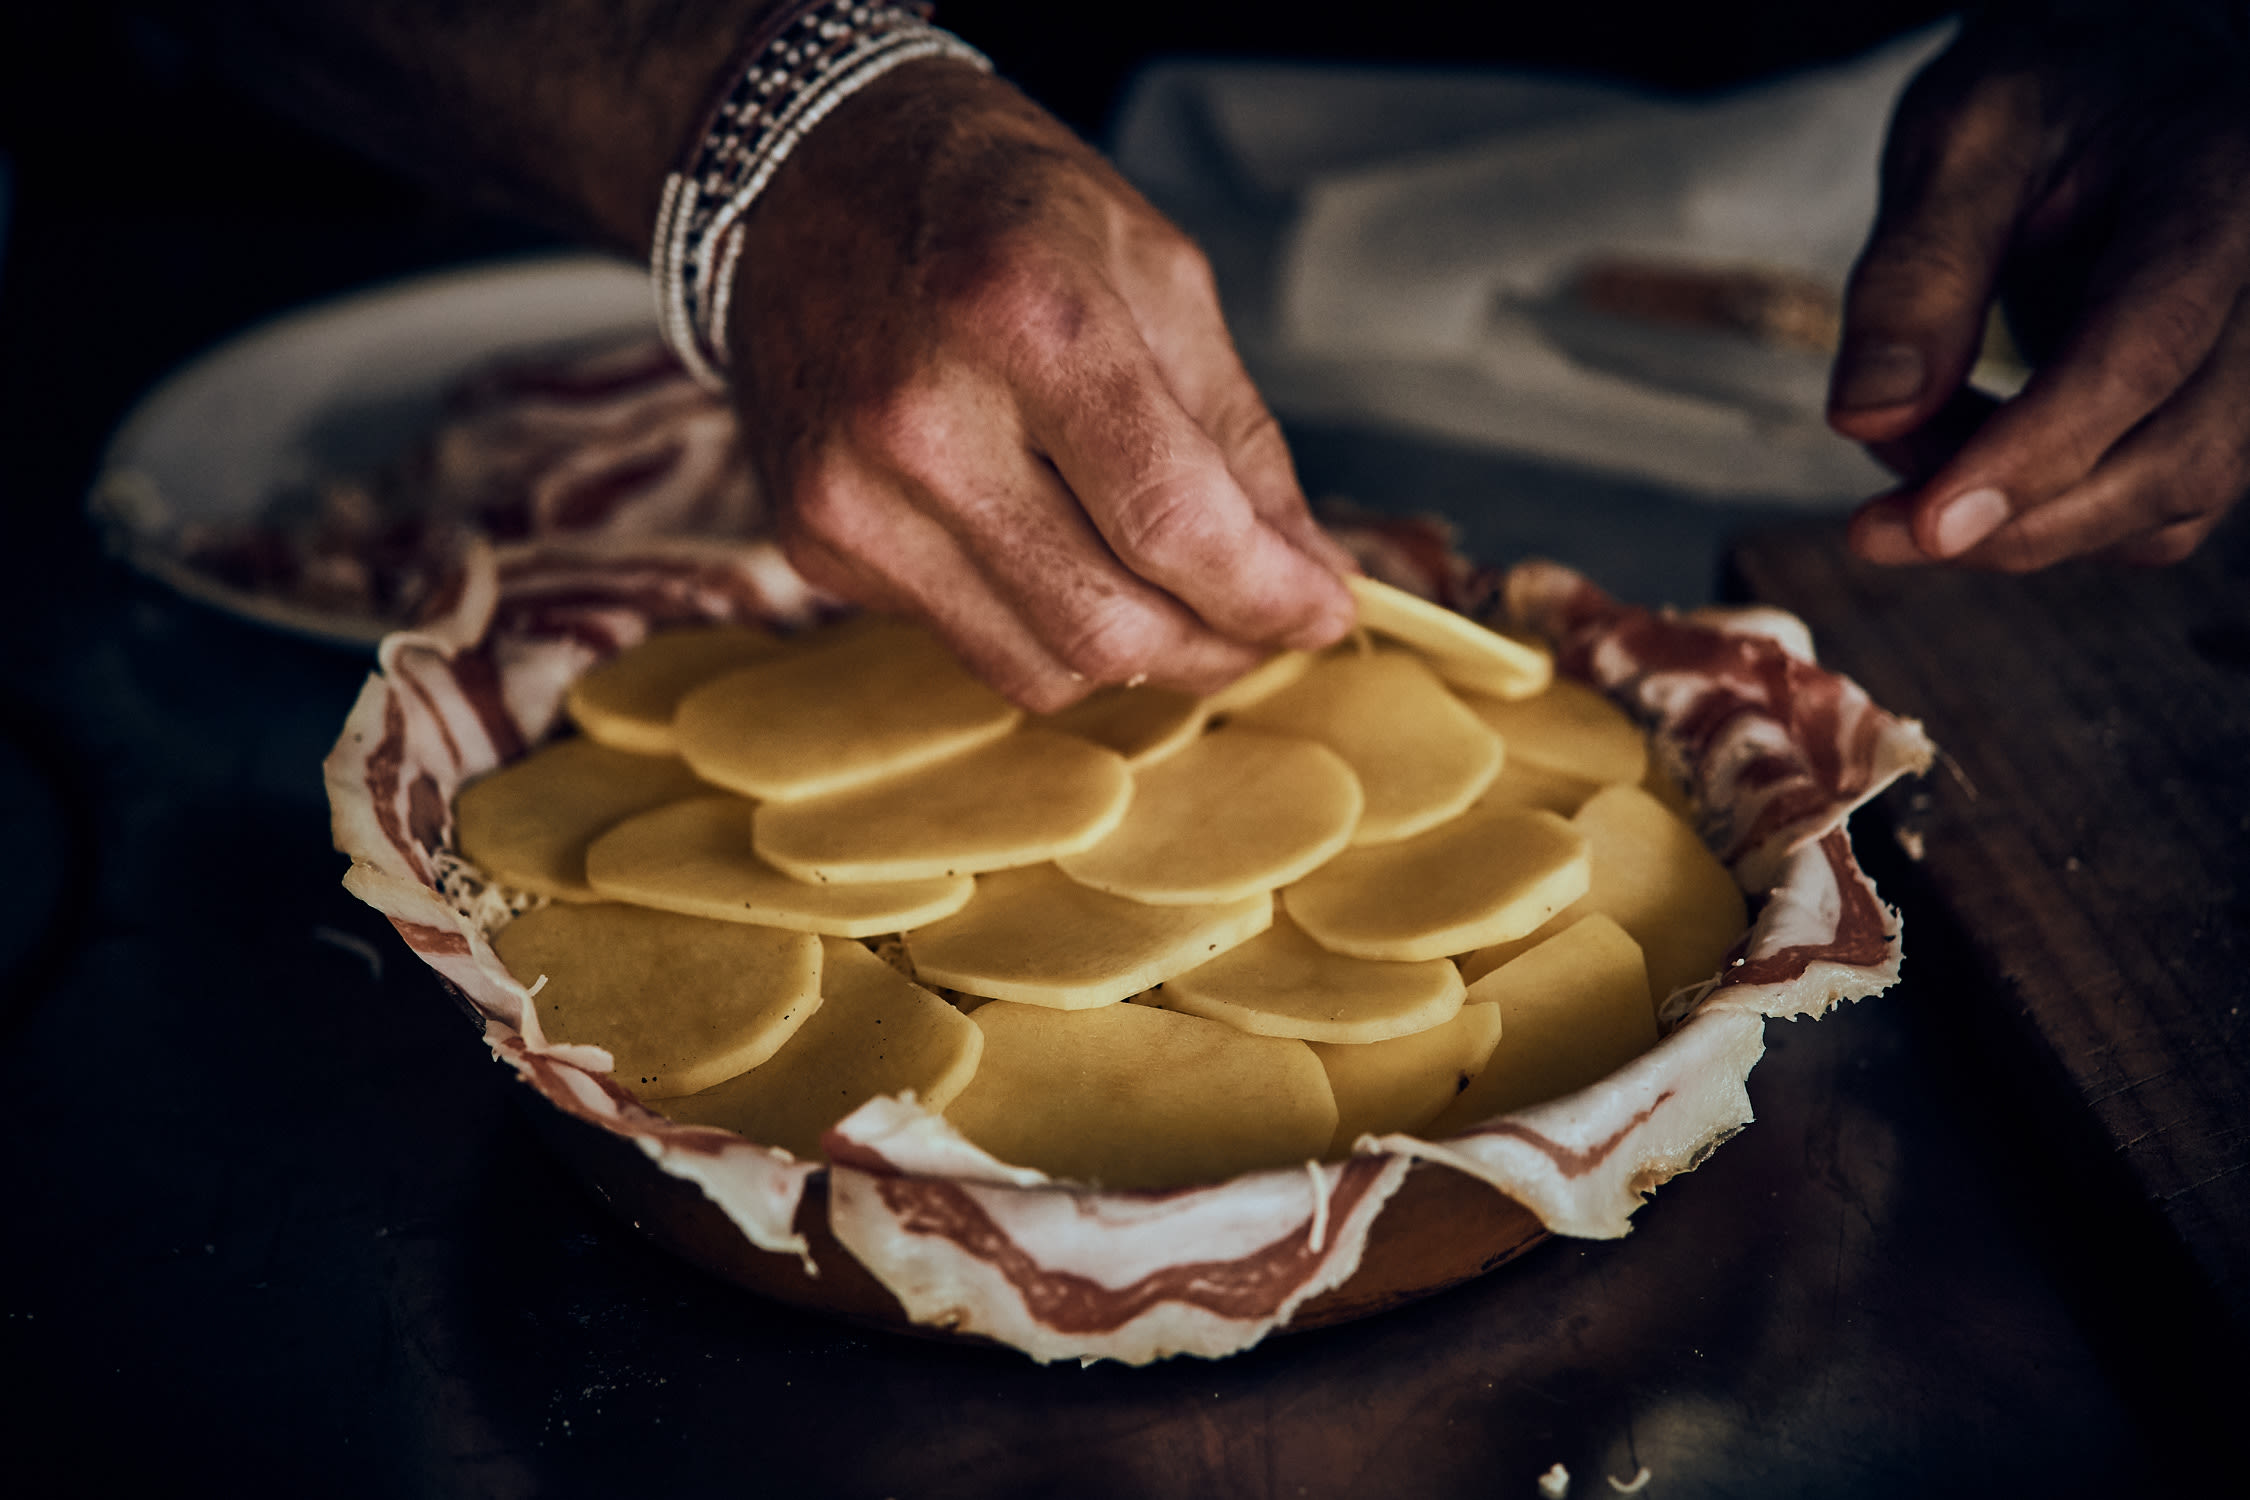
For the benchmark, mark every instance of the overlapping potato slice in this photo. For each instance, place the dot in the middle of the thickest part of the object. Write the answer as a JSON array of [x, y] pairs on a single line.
[[876, 1032], [527, 824], [1282, 983], [1463, 651], [1651, 873], [627, 702], [1144, 724], [1521, 784], [1491, 874], [1236, 813], [1134, 1097], [695, 856], [1662, 885], [1402, 1083], [681, 1003], [1570, 729], [1020, 800], [1037, 936], [1572, 1010], [1259, 683], [867, 704], [1420, 756]]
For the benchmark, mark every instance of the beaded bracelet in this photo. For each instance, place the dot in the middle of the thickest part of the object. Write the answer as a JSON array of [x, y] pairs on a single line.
[[806, 61]]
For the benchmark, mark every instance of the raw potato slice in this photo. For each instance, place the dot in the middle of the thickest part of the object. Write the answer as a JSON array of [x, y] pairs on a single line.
[[1259, 683], [1573, 1010], [627, 702], [1143, 724], [1402, 1083], [872, 703], [695, 857], [1489, 875], [876, 1033], [1420, 756], [1463, 651], [1236, 813], [527, 824], [1523, 785], [681, 1003], [1569, 729], [1021, 800], [1040, 937], [1129, 1096], [1655, 877], [1282, 983]]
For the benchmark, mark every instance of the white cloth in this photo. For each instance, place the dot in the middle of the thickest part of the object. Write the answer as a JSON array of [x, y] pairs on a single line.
[[1392, 242]]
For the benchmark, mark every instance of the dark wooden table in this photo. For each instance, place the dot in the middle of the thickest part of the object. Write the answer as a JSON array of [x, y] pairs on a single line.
[[2088, 839], [274, 1220]]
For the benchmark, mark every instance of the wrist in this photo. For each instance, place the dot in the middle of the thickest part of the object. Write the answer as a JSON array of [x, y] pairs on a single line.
[[812, 61]]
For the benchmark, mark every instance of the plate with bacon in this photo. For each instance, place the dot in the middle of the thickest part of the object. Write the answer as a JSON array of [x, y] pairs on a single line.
[[321, 474]]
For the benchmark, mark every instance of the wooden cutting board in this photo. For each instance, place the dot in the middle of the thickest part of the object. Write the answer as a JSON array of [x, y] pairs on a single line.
[[2088, 832]]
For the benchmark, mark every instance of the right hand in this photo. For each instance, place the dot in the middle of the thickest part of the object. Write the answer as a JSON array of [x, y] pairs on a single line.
[[989, 387]]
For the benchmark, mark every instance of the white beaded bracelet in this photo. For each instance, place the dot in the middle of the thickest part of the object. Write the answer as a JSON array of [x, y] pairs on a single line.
[[815, 59]]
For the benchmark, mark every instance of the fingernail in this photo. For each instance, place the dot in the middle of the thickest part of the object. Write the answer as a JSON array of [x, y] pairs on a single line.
[[1869, 376], [1969, 519]]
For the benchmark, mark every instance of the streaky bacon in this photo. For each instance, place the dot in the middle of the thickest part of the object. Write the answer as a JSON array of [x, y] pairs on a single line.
[[1063, 1270]]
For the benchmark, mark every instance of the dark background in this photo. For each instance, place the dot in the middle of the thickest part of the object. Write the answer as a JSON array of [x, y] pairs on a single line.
[[254, 1243]]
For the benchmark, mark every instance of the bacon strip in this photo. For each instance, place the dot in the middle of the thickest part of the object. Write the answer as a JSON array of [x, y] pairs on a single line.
[[1781, 749]]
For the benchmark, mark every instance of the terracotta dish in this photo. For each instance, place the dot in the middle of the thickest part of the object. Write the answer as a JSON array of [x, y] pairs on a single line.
[[908, 1225]]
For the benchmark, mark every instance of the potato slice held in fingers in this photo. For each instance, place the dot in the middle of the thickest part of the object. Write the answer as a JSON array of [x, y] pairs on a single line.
[[1018, 801], [866, 704], [1464, 652], [1129, 1096], [628, 701], [527, 824], [1489, 875], [680, 1003], [1282, 983], [695, 856], [1144, 724], [1039, 937], [1234, 814], [1570, 730], [1420, 756], [1572, 1011], [1402, 1083], [876, 1033]]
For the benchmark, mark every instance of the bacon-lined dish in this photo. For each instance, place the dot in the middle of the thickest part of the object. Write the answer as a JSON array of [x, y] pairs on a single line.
[[909, 1222]]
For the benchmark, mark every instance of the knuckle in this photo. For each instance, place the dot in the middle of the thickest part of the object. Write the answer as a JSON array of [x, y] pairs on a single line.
[[908, 429], [1113, 639], [1169, 523], [1915, 269], [1020, 301], [1179, 264], [2167, 344], [825, 511]]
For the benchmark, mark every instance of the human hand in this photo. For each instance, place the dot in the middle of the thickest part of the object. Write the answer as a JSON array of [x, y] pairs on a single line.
[[989, 386], [2093, 162]]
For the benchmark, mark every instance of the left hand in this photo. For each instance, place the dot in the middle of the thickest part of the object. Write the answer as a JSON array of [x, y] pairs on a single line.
[[2094, 165]]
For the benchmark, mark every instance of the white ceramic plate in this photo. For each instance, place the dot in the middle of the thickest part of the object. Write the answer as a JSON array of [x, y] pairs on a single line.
[[333, 390]]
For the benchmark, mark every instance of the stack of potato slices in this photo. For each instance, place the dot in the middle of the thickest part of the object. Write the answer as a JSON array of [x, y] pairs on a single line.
[[1151, 941]]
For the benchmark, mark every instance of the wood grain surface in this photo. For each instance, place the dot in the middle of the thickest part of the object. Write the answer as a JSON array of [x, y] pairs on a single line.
[[2088, 831]]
